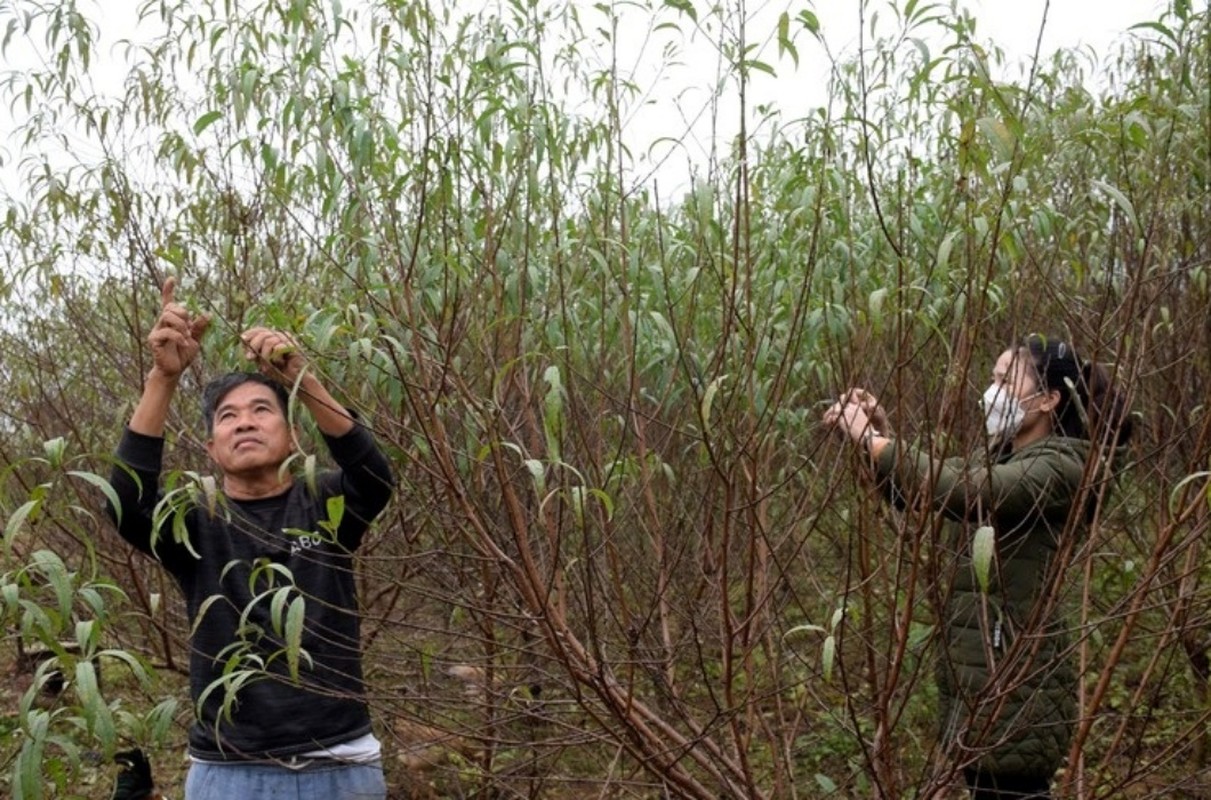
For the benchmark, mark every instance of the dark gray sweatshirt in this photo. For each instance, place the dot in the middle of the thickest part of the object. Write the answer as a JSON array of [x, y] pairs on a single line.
[[280, 539]]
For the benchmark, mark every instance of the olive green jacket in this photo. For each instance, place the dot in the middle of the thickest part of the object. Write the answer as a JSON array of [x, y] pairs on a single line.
[[1005, 679]]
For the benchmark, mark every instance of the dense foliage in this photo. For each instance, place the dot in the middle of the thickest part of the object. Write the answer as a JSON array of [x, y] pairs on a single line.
[[624, 560]]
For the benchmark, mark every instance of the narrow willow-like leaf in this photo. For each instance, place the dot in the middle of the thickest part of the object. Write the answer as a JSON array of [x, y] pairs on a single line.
[[983, 548], [276, 606], [29, 785], [708, 399], [55, 572], [804, 628], [100, 483], [335, 506], [17, 519], [553, 416], [87, 634], [295, 618], [1121, 200], [98, 713], [130, 660], [538, 472], [206, 120]]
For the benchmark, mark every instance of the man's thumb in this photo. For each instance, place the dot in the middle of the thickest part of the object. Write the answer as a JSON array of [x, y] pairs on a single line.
[[199, 326]]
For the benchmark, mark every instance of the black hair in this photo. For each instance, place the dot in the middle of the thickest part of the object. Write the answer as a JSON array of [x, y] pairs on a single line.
[[1090, 407], [217, 389]]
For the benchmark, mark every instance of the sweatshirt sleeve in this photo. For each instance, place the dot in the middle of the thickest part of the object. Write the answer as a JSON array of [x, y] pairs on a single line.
[[135, 479], [1036, 482], [366, 480]]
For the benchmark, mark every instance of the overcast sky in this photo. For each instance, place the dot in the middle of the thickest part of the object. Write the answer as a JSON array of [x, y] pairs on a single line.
[[680, 100]]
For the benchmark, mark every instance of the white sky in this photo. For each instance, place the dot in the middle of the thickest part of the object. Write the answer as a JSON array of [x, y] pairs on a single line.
[[678, 98], [679, 103]]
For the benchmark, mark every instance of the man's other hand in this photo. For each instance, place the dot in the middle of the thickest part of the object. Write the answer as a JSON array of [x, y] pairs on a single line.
[[277, 355]]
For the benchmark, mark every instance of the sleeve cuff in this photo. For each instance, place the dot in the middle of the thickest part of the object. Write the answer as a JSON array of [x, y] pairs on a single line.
[[351, 446]]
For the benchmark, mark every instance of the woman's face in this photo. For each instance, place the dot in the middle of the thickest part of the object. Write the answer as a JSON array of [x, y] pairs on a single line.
[[1016, 406], [1015, 375]]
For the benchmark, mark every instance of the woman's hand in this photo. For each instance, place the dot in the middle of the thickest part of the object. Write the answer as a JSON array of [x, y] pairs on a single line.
[[848, 417], [874, 410]]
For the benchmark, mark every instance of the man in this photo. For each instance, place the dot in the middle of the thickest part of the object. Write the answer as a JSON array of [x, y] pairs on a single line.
[[269, 549]]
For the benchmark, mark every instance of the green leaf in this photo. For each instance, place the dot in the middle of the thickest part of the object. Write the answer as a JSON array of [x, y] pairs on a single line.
[[57, 575], [55, 450], [294, 634], [999, 135], [309, 473], [131, 661], [336, 512], [17, 519], [943, 257], [606, 501], [99, 715], [874, 303], [983, 547], [205, 121], [708, 399], [576, 495], [12, 595], [210, 492], [809, 21], [87, 634], [1121, 201], [162, 718], [760, 66], [684, 6], [1176, 494], [276, 604], [786, 45], [553, 417], [1171, 39], [828, 656], [538, 474], [100, 483], [30, 782]]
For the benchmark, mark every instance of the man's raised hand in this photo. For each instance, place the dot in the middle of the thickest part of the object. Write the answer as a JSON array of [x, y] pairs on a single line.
[[176, 338], [277, 354], [279, 358]]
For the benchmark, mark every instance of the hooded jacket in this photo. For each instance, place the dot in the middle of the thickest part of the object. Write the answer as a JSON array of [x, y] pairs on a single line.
[[1005, 678]]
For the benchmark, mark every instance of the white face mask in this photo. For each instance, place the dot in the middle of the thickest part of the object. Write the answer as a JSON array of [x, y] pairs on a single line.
[[1003, 413]]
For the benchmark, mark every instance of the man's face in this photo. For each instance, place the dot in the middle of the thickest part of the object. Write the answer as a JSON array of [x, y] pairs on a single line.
[[251, 433]]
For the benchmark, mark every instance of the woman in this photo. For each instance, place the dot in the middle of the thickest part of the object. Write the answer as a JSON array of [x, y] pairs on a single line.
[[1004, 676]]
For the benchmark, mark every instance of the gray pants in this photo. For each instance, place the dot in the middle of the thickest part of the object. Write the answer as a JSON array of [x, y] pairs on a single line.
[[322, 781]]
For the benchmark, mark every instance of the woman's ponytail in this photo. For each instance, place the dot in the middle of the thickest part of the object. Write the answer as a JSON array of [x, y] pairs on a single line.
[[1109, 424]]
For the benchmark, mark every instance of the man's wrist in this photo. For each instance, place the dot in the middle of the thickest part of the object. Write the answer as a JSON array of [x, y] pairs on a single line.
[[157, 375]]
